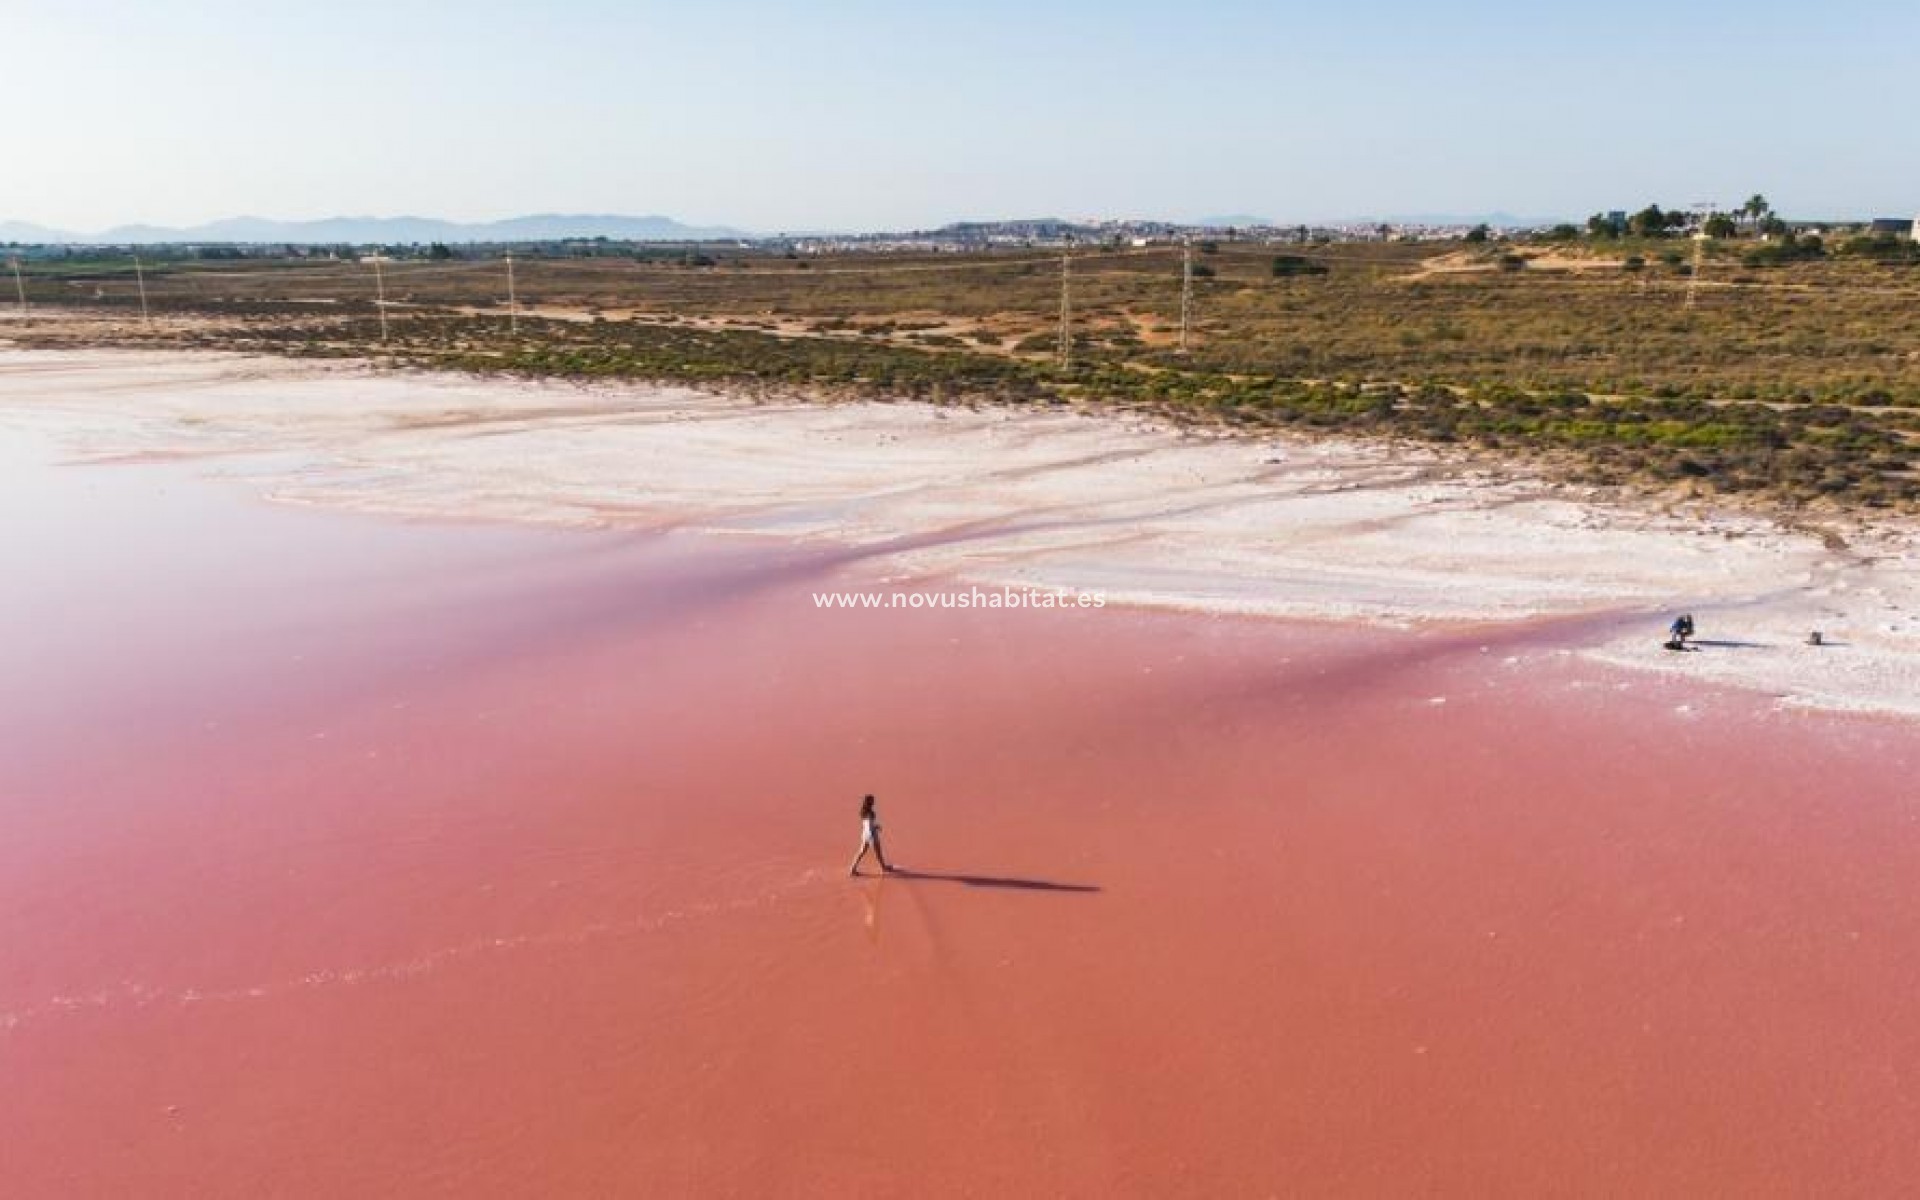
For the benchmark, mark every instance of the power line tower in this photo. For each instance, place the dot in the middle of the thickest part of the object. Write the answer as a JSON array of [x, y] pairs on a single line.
[[1065, 352], [1186, 293], [380, 296], [19, 286], [140, 278], [513, 302], [1705, 210]]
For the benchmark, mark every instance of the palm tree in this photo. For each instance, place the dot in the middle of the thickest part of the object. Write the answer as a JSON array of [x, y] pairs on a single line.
[[1755, 208]]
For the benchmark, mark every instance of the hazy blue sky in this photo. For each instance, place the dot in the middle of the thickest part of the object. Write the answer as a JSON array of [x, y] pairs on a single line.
[[867, 114]]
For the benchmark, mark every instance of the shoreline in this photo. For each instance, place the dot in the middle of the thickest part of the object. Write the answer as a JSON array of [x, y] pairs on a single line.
[[1272, 525]]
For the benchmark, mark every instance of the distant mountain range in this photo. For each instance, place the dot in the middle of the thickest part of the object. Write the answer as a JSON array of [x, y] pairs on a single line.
[[383, 230], [545, 227]]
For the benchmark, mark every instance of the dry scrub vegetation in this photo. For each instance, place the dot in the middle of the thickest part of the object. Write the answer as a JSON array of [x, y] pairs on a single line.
[[1796, 381]]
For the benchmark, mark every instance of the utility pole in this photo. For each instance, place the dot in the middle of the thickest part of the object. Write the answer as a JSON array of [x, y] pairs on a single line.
[[1065, 353], [513, 303], [19, 288], [140, 278], [380, 294], [1186, 293], [1699, 250]]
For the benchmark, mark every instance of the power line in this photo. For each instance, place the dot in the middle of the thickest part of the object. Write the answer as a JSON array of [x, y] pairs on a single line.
[[380, 296], [513, 303], [1065, 353], [140, 278], [343, 271], [405, 272], [410, 270], [1699, 250], [19, 287], [973, 264], [1186, 293]]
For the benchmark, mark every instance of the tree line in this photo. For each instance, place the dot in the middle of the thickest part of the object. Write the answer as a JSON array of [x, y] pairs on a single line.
[[1756, 218]]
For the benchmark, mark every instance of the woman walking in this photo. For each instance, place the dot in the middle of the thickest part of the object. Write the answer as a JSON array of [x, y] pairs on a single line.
[[869, 837]]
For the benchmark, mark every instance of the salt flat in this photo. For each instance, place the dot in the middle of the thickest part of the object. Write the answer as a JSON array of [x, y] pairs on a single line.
[[1147, 514]]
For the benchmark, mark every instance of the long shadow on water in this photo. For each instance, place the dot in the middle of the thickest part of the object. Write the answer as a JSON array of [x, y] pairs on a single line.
[[992, 881]]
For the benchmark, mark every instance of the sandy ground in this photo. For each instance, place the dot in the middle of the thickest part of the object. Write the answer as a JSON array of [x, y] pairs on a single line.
[[1149, 516]]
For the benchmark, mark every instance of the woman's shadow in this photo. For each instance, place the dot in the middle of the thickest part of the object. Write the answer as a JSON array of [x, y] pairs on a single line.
[[991, 881]]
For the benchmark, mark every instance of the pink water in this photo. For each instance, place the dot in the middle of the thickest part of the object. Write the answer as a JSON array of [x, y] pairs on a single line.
[[346, 857]]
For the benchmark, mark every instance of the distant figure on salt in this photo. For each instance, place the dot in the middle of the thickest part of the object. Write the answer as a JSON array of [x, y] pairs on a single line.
[[869, 839], [1681, 630]]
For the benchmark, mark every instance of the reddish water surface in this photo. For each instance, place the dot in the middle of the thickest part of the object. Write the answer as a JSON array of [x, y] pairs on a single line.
[[342, 857]]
